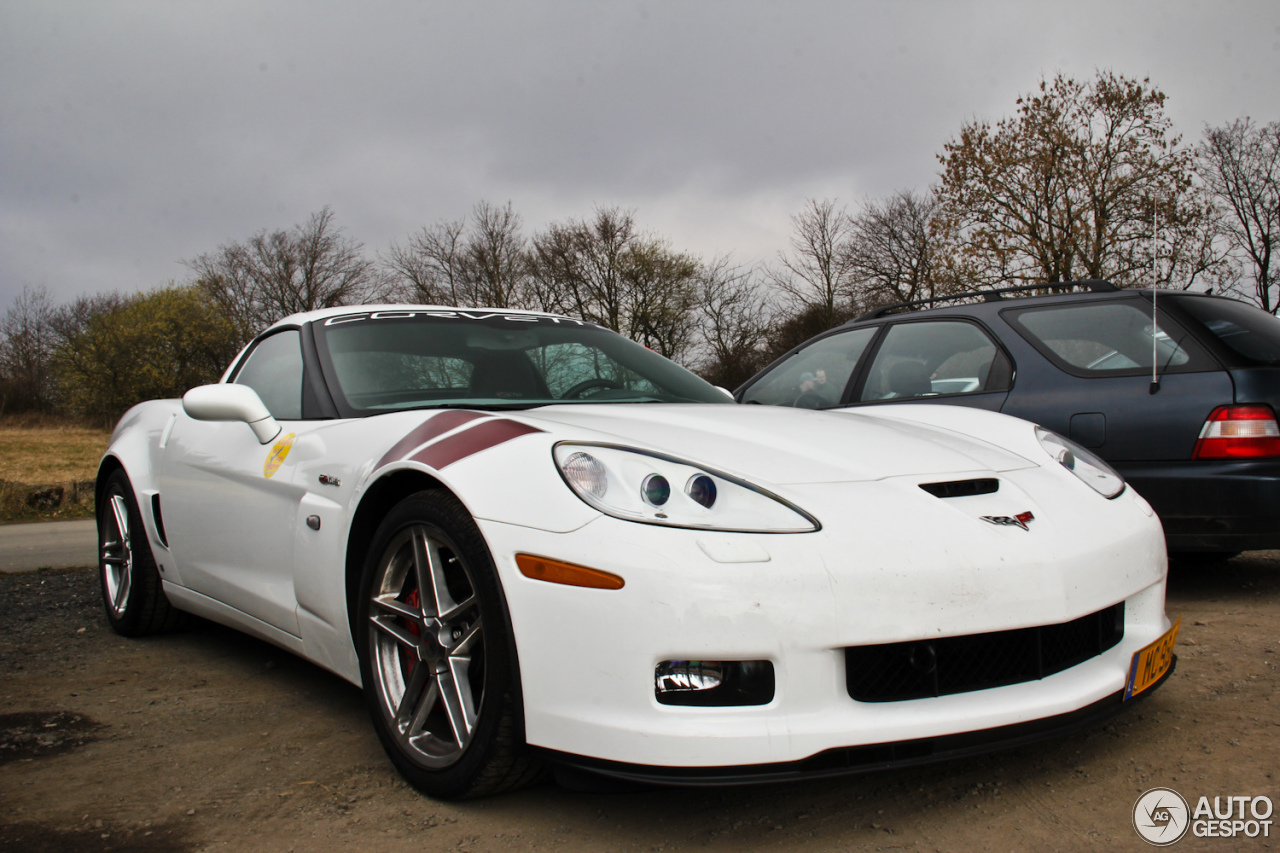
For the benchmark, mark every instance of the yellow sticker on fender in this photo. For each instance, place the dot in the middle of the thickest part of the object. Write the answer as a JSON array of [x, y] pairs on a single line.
[[276, 457], [1151, 662]]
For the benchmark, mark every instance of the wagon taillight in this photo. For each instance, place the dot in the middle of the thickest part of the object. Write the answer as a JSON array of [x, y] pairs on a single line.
[[1239, 432]]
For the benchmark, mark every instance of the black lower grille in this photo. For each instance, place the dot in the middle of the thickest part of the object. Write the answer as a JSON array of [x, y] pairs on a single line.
[[914, 670]]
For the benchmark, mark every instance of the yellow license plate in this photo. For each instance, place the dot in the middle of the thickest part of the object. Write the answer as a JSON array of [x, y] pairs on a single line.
[[1151, 662]]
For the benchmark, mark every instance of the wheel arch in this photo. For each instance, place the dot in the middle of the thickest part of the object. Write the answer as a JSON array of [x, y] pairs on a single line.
[[108, 466], [379, 498], [512, 765]]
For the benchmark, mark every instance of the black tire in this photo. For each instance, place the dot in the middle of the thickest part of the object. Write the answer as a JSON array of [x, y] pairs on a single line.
[[440, 674], [131, 590]]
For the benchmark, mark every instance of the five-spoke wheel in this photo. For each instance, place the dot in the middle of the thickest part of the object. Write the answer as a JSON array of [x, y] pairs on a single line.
[[131, 590], [436, 655], [428, 647], [116, 554]]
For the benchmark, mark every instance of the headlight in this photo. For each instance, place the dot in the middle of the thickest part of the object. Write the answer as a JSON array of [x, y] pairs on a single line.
[[637, 485], [1100, 476]]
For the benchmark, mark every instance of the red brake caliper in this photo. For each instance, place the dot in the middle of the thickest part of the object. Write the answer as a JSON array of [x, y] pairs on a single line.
[[413, 601], [412, 660]]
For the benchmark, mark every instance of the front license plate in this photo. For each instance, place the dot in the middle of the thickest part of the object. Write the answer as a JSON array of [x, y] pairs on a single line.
[[1151, 662]]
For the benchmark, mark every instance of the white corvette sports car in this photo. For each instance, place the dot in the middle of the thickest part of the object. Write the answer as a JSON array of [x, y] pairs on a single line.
[[536, 543]]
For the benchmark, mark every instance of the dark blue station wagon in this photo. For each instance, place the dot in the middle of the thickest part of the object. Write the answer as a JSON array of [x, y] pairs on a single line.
[[1177, 390]]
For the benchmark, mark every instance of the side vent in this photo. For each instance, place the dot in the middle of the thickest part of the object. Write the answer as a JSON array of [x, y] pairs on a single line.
[[962, 488], [159, 520]]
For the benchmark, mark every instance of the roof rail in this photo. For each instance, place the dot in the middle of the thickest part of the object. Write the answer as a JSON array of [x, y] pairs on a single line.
[[1097, 285]]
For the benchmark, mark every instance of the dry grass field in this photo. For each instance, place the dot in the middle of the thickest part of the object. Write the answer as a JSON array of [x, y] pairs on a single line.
[[42, 455]]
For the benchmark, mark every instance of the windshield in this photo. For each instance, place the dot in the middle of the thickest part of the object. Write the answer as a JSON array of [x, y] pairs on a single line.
[[1250, 332], [392, 360]]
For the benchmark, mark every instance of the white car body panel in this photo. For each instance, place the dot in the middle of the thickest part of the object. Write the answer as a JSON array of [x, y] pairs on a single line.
[[244, 556], [891, 563]]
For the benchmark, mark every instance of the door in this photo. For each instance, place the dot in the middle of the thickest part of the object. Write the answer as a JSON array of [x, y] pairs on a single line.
[[230, 504]]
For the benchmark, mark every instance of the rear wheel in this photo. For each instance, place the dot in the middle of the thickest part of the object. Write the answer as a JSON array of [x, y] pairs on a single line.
[[131, 590], [436, 655]]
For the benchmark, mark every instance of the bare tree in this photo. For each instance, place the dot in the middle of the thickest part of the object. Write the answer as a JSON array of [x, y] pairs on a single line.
[[276, 274], [429, 267], [553, 269], [479, 261], [817, 276], [495, 252], [661, 289], [1074, 186], [596, 288], [27, 341], [735, 317], [893, 249], [1240, 165], [603, 270]]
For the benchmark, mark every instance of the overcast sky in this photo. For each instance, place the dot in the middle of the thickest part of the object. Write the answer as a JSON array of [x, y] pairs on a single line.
[[134, 135]]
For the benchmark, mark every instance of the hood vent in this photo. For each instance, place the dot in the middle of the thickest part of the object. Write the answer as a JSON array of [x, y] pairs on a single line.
[[962, 488]]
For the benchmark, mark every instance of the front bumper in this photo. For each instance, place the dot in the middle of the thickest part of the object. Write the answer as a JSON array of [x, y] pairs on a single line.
[[872, 575], [846, 761]]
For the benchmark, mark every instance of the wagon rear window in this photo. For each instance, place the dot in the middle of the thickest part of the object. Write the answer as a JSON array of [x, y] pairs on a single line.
[[1250, 332], [1113, 338]]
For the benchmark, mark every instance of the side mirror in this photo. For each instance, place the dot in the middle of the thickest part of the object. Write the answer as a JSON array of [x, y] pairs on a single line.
[[231, 403]]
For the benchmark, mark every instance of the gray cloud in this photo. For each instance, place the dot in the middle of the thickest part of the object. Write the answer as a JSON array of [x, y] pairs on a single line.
[[138, 134]]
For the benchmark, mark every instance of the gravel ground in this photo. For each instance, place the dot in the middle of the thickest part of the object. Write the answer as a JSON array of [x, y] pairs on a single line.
[[208, 740]]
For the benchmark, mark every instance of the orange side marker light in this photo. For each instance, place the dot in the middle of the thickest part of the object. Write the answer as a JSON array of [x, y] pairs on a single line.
[[554, 571]]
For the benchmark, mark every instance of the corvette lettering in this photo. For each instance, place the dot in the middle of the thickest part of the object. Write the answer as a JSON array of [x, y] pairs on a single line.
[[454, 315]]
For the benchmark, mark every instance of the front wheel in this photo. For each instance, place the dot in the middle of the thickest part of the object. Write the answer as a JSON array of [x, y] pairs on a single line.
[[436, 655], [131, 590]]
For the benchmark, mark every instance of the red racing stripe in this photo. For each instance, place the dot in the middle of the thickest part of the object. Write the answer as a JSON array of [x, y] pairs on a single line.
[[434, 426], [470, 441]]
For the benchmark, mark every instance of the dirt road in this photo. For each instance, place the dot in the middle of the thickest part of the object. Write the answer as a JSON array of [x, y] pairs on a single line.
[[208, 740]]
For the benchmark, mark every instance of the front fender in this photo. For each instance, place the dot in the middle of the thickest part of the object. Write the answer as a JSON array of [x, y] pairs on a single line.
[[137, 446]]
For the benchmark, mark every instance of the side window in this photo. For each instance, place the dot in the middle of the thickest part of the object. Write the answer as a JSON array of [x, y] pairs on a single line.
[[814, 376], [274, 370], [1113, 338], [935, 358]]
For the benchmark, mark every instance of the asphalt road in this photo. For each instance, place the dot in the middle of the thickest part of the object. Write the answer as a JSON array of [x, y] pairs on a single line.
[[51, 544]]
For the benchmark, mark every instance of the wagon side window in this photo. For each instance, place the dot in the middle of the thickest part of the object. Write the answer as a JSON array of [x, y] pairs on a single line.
[[815, 376], [274, 370], [935, 359]]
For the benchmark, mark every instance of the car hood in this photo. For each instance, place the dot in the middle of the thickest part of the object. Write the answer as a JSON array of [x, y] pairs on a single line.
[[781, 445]]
